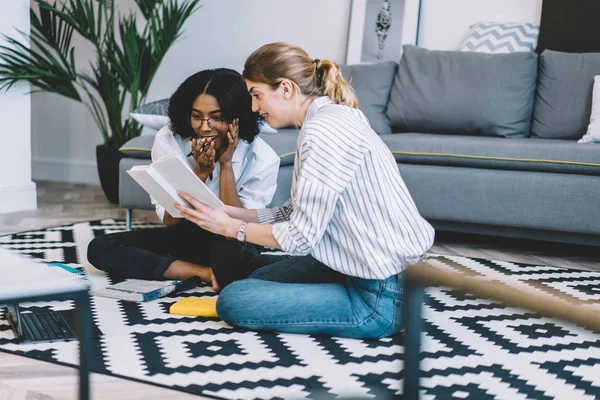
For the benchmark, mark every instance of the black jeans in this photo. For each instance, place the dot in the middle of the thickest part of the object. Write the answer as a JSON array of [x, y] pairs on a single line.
[[147, 253]]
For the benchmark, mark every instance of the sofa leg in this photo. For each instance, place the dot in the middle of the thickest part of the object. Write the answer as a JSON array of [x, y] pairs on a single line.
[[128, 217]]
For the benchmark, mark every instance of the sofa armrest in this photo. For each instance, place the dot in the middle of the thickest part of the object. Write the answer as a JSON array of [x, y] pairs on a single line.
[[138, 147], [131, 195]]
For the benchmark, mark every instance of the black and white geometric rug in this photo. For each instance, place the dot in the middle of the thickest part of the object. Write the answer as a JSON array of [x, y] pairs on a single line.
[[472, 348]]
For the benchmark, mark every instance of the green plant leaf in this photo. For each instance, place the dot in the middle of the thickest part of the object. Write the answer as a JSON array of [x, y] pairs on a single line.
[[81, 15], [40, 68], [55, 31], [110, 92], [147, 6]]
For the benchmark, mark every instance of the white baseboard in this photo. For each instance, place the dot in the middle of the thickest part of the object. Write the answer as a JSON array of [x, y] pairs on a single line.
[[17, 197], [65, 170]]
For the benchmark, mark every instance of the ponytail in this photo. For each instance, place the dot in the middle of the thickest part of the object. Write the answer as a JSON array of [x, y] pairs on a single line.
[[329, 79], [274, 62]]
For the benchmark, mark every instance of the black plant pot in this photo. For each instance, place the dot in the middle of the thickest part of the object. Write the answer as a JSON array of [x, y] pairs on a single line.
[[108, 170]]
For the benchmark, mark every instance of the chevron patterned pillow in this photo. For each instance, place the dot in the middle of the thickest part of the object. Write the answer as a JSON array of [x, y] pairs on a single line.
[[495, 37]]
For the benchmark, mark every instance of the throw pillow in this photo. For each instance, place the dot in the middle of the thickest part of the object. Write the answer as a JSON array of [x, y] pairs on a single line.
[[564, 94], [593, 132], [153, 115], [495, 37], [463, 93], [372, 84]]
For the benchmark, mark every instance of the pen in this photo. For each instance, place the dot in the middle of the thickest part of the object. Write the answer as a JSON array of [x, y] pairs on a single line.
[[201, 149]]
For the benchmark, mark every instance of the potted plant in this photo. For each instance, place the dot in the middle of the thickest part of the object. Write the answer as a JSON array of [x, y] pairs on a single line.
[[126, 61]]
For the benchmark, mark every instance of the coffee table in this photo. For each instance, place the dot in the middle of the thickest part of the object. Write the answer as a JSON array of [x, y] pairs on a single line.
[[24, 279]]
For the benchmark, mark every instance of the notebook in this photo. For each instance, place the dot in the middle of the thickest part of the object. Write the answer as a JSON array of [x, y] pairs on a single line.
[[140, 290], [169, 174]]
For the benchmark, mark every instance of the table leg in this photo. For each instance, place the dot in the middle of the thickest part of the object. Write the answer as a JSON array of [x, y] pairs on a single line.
[[84, 332], [414, 297]]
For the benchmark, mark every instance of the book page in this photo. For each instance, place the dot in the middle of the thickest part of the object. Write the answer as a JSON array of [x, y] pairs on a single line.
[[180, 176], [154, 184]]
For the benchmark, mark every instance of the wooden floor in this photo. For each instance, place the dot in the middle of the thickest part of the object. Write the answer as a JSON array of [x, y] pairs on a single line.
[[63, 203]]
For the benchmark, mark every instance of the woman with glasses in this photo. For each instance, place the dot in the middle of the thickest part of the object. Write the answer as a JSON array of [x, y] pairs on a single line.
[[213, 127]]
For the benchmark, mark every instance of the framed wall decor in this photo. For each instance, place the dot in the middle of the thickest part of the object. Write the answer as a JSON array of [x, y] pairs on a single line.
[[378, 29]]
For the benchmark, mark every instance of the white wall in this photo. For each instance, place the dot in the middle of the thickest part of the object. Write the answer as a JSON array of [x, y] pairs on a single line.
[[17, 191], [221, 34], [445, 23]]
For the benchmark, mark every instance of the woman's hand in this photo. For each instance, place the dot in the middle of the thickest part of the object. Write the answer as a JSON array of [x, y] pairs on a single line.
[[205, 159], [213, 220], [232, 137]]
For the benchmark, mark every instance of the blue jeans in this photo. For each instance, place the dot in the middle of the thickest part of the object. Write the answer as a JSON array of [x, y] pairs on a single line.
[[302, 295]]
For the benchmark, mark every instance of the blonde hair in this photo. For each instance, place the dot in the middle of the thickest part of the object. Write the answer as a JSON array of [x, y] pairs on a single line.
[[274, 62]]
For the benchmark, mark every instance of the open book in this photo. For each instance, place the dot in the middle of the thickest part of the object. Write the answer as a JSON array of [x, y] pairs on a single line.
[[169, 174]]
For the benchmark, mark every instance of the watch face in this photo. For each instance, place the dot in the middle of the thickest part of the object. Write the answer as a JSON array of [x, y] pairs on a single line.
[[241, 233]]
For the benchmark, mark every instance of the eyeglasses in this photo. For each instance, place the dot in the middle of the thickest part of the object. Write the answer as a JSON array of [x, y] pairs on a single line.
[[213, 122]]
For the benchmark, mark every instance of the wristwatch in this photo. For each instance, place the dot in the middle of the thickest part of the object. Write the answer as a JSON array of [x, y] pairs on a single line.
[[241, 232]]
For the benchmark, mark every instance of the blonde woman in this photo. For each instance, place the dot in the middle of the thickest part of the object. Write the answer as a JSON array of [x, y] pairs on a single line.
[[350, 222]]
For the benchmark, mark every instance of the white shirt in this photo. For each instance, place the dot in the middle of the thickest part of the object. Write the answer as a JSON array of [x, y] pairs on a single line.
[[255, 168], [350, 208]]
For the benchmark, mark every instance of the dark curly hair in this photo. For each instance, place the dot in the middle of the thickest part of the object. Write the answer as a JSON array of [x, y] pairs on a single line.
[[225, 85]]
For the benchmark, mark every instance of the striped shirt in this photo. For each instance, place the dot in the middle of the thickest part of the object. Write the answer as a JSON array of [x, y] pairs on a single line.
[[349, 206]]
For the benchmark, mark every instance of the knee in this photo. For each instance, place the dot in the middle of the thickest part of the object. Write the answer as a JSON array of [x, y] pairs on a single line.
[[229, 303], [96, 249], [261, 273]]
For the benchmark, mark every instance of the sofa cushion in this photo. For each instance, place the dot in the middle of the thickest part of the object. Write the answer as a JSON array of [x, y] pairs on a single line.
[[372, 84], [463, 93], [564, 94], [138, 147], [533, 154]]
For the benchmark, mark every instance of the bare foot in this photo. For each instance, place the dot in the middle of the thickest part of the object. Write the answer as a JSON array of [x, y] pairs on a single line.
[[213, 281]]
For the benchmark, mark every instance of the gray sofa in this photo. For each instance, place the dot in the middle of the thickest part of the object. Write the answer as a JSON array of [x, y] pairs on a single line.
[[486, 144]]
